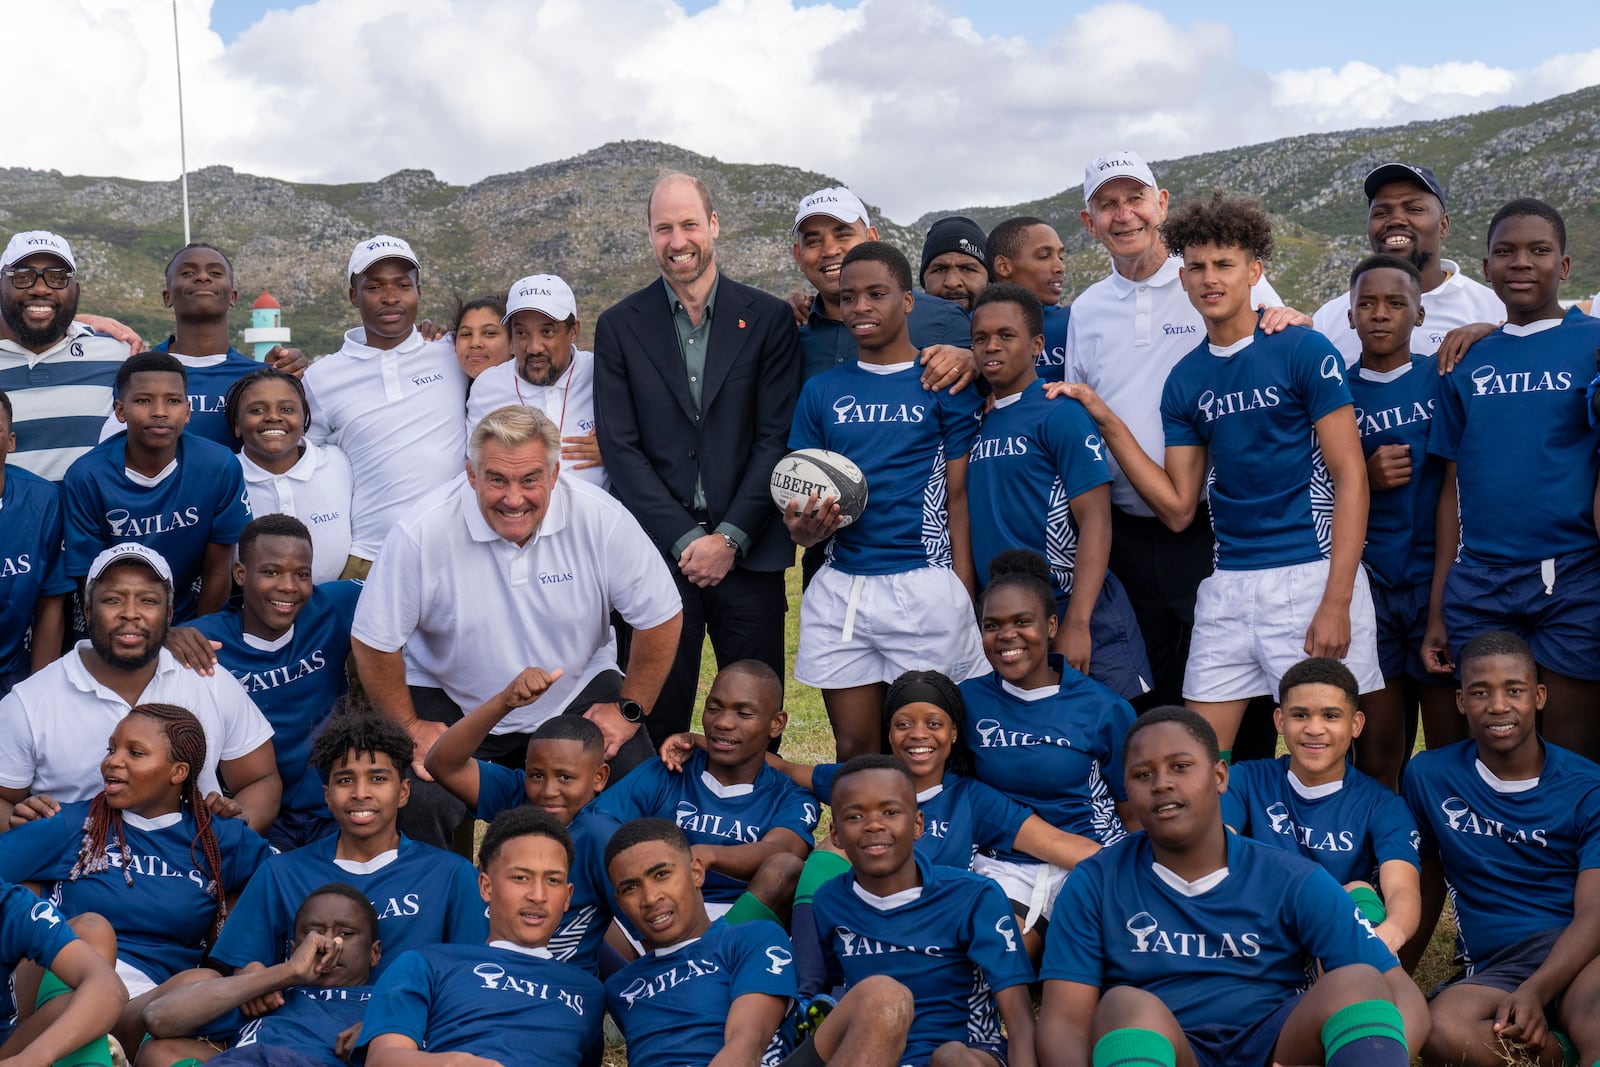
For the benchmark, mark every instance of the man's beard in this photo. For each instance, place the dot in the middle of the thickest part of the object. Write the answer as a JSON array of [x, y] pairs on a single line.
[[101, 643], [39, 336], [1420, 258]]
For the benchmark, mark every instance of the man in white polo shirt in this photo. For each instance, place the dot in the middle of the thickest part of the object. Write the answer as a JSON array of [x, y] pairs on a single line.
[[1406, 217], [53, 725], [389, 399], [514, 568], [1127, 331], [547, 371]]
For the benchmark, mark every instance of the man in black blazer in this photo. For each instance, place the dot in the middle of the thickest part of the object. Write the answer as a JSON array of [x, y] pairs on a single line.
[[696, 378]]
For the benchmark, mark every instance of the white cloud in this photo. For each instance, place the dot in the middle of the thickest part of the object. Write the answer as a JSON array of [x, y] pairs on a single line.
[[900, 98]]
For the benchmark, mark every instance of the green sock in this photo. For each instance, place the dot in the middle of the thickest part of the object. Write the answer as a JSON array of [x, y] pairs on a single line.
[[1369, 1022], [1369, 904], [1226, 755], [1569, 1054], [96, 1053], [821, 866], [749, 907], [1130, 1047]]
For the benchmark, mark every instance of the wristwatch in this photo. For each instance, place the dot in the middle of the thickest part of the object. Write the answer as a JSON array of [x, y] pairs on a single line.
[[632, 710], [728, 540]]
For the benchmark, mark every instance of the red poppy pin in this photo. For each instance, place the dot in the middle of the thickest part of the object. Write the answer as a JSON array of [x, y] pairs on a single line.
[[741, 324]]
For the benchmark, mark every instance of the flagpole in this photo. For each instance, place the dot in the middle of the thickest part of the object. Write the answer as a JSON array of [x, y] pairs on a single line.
[[183, 148]]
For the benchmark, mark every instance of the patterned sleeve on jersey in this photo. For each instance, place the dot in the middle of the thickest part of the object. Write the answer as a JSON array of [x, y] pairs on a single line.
[[1319, 372], [1330, 925]]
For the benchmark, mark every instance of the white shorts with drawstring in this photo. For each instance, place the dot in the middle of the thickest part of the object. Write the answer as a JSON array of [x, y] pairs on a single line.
[[861, 629]]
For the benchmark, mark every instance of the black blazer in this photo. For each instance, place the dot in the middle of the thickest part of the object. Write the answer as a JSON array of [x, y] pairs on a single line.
[[655, 445]]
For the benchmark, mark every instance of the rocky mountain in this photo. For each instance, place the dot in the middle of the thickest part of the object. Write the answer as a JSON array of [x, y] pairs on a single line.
[[583, 218]]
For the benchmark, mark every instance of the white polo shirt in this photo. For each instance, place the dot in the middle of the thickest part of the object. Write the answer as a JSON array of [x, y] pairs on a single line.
[[1458, 301], [569, 401], [54, 725], [397, 415], [471, 609], [1123, 340], [317, 490]]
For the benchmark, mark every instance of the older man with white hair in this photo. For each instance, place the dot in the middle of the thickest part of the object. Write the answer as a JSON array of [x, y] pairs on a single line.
[[514, 567]]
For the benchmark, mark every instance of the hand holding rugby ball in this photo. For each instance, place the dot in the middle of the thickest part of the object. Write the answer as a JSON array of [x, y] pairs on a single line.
[[816, 472]]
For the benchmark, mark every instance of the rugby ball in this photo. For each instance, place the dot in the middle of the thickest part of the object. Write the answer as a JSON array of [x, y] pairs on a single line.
[[827, 474]]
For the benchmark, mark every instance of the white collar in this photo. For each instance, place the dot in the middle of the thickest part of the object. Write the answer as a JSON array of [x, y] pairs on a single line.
[[741, 789], [1368, 375], [670, 949], [1224, 352], [1314, 792], [355, 344], [160, 822], [1165, 275], [1007, 401], [303, 468], [78, 672], [1030, 695], [537, 951], [151, 481], [198, 361], [372, 866], [884, 368], [1203, 884], [1452, 275], [1501, 785], [890, 902], [1529, 329], [929, 793], [261, 644]]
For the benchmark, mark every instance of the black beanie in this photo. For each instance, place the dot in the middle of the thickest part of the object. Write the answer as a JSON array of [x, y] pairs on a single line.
[[954, 233]]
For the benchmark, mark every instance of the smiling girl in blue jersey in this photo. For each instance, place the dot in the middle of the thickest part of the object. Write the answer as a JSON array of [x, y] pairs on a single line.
[[146, 853]]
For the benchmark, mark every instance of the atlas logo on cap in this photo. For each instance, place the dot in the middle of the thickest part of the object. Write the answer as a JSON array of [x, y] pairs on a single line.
[[970, 249], [835, 203], [32, 242], [1119, 164], [130, 552], [382, 246], [544, 293]]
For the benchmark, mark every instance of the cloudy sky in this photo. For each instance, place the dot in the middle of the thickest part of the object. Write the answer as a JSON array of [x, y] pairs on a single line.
[[917, 104]]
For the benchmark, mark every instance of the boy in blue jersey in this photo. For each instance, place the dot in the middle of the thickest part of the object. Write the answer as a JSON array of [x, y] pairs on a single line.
[[1037, 479], [200, 291], [1511, 824], [1177, 960], [184, 498], [1311, 803], [750, 826], [565, 770], [1520, 471], [710, 991], [286, 641], [1027, 251], [80, 979], [423, 895], [1261, 425], [1394, 393], [947, 935], [33, 585], [503, 1000], [896, 592], [324, 984]]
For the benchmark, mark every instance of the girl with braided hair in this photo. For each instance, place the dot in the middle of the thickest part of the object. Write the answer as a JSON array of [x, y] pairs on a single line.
[[145, 853]]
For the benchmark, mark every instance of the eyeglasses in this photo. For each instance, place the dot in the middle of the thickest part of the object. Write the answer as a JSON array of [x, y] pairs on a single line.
[[24, 277]]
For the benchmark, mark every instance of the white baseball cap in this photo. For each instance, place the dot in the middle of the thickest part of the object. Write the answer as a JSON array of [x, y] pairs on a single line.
[[382, 246], [836, 203], [544, 293], [32, 242], [1119, 164], [130, 551]]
